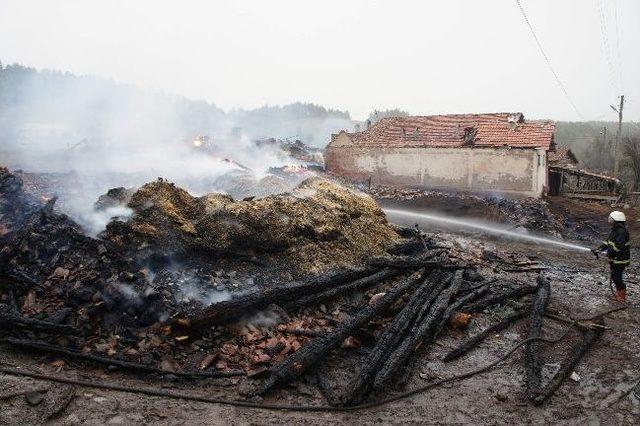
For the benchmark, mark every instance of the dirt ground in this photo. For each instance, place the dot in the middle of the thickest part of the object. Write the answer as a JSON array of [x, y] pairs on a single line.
[[586, 219], [579, 288]]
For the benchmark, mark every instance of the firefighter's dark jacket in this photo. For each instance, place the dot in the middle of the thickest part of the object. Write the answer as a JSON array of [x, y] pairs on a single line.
[[617, 246]]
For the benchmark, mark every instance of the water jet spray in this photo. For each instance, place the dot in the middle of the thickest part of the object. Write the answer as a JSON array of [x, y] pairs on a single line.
[[489, 229]]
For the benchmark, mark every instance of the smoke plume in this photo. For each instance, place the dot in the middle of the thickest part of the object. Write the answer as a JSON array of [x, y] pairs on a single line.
[[111, 135]]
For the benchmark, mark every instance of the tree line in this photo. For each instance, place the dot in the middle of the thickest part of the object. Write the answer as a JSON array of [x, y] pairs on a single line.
[[89, 107]]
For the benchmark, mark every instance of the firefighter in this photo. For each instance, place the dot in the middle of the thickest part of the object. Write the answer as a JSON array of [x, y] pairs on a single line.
[[617, 248]]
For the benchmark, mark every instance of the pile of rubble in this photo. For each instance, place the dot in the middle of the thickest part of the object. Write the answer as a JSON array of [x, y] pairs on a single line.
[[49, 185], [15, 204], [297, 149], [93, 291], [393, 291]]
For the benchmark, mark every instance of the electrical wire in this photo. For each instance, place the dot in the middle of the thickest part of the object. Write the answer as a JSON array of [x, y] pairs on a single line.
[[615, 14], [605, 43], [548, 61]]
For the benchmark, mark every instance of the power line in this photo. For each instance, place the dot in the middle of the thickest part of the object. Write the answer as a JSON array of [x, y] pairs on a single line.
[[605, 43], [615, 11], [546, 58]]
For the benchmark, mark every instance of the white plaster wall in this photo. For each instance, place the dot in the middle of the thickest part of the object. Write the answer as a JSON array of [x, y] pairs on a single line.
[[521, 171]]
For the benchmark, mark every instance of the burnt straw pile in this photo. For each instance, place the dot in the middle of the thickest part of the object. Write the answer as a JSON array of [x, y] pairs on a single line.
[[316, 225], [271, 290]]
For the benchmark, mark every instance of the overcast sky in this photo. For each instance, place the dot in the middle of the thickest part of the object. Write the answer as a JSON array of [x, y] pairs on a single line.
[[427, 57]]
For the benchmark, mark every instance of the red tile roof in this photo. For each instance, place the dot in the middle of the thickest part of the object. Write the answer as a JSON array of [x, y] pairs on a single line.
[[458, 130]]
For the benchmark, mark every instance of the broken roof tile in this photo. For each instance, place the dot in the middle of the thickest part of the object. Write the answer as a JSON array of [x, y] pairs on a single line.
[[562, 156]]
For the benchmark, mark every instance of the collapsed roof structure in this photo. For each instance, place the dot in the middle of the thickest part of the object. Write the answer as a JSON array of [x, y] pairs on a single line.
[[568, 179]]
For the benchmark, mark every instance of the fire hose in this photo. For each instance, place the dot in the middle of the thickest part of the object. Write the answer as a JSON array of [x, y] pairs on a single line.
[[326, 408]]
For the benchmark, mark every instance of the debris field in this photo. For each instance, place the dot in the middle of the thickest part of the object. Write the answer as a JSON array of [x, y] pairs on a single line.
[[265, 293]]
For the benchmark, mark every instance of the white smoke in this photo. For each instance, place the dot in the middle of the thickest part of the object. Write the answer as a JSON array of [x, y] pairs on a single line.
[[267, 318], [113, 135], [94, 221], [129, 293], [192, 290]]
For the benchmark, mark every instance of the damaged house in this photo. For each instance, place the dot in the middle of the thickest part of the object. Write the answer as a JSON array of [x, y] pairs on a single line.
[[470, 152], [568, 179], [499, 152]]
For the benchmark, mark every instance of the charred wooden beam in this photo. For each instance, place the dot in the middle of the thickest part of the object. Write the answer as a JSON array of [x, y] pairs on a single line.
[[324, 385], [10, 320], [475, 340], [125, 365], [533, 359], [459, 305], [515, 293], [420, 333], [18, 280], [589, 337], [233, 309], [361, 385], [423, 259], [339, 290], [470, 297], [310, 355], [406, 246]]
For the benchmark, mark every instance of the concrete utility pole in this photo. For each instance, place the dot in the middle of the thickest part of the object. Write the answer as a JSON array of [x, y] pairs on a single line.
[[616, 147]]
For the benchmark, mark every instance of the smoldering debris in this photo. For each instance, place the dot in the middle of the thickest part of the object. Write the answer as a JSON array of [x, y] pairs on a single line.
[[268, 288], [50, 264], [16, 205], [185, 289], [295, 149], [82, 195], [114, 197], [315, 225], [95, 221]]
